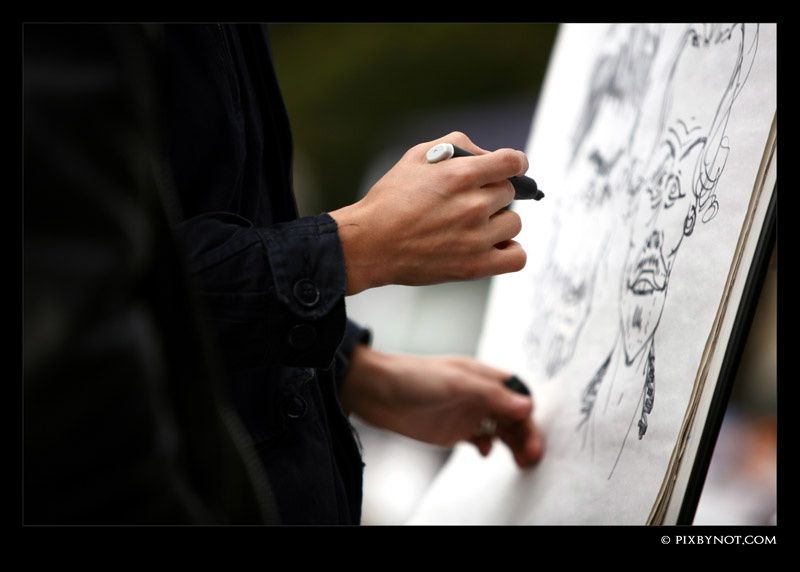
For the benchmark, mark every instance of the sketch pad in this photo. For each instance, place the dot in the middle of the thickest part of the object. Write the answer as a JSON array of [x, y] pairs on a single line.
[[658, 146]]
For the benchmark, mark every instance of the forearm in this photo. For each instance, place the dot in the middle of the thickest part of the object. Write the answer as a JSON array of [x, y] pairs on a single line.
[[365, 380], [440, 400]]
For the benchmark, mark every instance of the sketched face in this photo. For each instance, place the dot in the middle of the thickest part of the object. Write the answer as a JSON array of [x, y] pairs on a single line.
[[667, 201], [666, 215], [599, 172], [598, 175]]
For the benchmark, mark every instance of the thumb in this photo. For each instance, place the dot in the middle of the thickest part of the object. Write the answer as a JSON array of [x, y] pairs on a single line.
[[507, 406]]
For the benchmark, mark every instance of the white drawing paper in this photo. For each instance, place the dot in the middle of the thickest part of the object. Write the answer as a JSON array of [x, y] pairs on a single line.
[[647, 142]]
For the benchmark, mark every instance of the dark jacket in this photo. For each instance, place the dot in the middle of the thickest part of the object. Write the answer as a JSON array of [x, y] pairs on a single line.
[[273, 283], [126, 413], [126, 420]]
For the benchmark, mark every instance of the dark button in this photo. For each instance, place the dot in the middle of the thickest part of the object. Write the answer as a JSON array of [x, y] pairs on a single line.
[[295, 407], [302, 336], [306, 292]]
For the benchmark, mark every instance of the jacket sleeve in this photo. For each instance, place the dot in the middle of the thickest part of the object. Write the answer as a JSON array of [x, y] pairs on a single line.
[[354, 334], [274, 294]]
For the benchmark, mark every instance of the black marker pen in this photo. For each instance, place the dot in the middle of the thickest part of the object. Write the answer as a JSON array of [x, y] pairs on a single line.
[[525, 188], [517, 385]]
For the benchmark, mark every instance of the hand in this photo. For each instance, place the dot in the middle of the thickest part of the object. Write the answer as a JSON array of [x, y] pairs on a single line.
[[429, 223], [440, 400]]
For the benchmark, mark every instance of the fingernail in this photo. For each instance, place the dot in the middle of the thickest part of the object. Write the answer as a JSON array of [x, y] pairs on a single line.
[[525, 162], [520, 401]]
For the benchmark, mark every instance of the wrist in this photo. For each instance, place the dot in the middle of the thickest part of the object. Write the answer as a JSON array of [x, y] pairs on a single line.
[[357, 247], [369, 369]]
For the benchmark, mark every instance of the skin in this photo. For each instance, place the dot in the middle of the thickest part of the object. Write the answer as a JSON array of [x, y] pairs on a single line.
[[440, 400], [422, 224], [427, 224]]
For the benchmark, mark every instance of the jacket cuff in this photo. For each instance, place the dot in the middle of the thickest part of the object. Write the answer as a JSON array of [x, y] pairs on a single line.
[[353, 335], [308, 287]]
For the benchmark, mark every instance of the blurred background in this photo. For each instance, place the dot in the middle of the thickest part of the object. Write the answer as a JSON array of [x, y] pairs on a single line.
[[358, 96]]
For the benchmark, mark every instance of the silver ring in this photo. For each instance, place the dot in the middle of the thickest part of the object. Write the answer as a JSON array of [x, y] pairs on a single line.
[[488, 428]]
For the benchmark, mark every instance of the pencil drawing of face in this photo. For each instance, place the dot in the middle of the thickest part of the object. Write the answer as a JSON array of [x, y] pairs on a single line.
[[682, 173], [599, 170]]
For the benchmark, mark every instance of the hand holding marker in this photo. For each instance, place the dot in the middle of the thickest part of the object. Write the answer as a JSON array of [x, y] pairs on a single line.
[[525, 188], [488, 426]]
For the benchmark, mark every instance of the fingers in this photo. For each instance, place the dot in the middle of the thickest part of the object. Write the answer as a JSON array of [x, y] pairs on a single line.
[[511, 411], [506, 406], [489, 170], [482, 369], [497, 165], [456, 138], [508, 256], [503, 226], [484, 444], [524, 440], [504, 257], [498, 195]]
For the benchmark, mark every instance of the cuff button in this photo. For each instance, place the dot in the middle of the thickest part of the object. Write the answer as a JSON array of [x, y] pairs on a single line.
[[295, 407], [306, 292]]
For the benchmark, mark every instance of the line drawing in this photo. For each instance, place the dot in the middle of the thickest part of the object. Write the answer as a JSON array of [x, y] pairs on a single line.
[[600, 166], [674, 186]]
